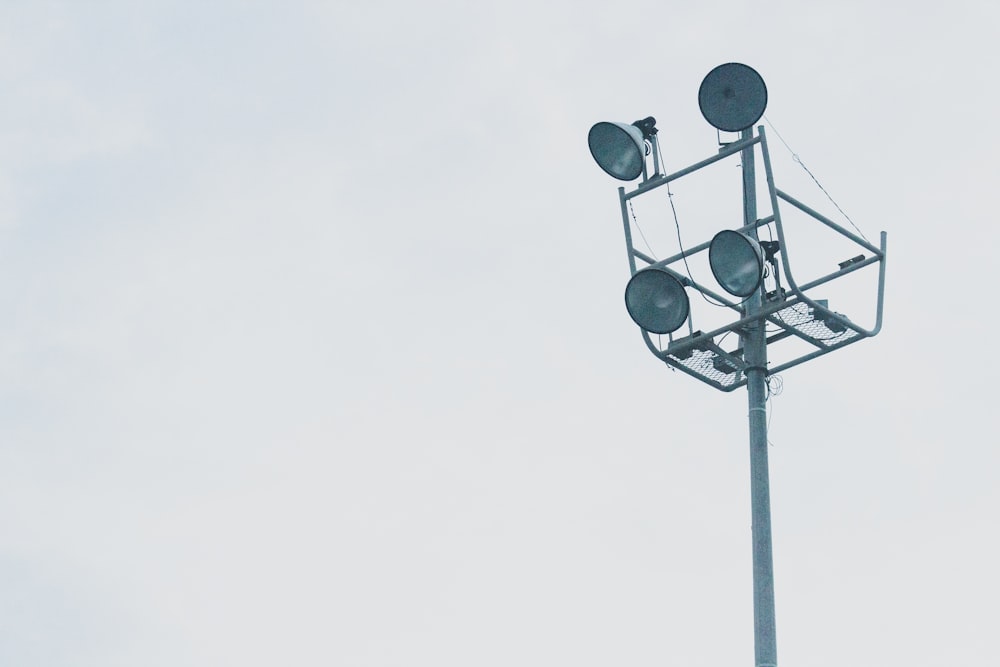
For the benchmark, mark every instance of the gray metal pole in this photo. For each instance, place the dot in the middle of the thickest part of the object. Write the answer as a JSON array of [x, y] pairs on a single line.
[[755, 354]]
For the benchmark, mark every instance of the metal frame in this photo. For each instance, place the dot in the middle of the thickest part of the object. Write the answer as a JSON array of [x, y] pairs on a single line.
[[796, 314]]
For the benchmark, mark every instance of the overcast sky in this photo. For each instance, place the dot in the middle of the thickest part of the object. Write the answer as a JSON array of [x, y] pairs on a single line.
[[313, 348]]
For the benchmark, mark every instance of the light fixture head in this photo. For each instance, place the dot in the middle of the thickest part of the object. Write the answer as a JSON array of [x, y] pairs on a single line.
[[732, 97], [737, 262], [619, 149], [656, 301]]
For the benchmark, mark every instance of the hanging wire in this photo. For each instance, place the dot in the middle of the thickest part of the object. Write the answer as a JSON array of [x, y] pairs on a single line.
[[652, 253], [677, 224], [770, 415], [635, 222], [680, 243], [797, 159], [775, 385]]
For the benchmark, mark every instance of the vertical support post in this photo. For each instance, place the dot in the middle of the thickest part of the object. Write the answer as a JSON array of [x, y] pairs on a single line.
[[755, 354], [655, 150]]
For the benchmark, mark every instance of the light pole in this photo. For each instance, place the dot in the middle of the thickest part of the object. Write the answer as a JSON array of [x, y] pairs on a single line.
[[732, 98], [755, 354]]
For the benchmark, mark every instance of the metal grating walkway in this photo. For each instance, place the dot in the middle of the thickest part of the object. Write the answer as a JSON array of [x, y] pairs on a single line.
[[725, 370]]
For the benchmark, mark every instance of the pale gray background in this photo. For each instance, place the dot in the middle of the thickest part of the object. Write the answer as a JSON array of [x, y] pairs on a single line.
[[313, 348]]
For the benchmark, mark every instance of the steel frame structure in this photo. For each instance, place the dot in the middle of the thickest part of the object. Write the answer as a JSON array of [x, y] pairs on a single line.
[[795, 313], [797, 316]]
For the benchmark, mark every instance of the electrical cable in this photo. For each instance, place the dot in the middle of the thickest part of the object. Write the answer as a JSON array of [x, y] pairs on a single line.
[[797, 159], [775, 385], [680, 243], [687, 267], [635, 222]]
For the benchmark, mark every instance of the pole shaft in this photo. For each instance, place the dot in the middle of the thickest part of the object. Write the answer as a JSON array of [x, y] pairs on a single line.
[[755, 354]]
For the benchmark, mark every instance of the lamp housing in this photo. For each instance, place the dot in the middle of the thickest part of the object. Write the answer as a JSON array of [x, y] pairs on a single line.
[[657, 301], [737, 262], [619, 149]]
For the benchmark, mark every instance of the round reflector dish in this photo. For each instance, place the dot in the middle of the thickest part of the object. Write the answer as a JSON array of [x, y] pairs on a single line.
[[732, 97], [737, 262], [656, 301], [618, 148]]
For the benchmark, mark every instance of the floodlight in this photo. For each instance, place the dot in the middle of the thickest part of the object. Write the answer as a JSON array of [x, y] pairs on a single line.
[[619, 149], [656, 300], [737, 262], [732, 97]]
